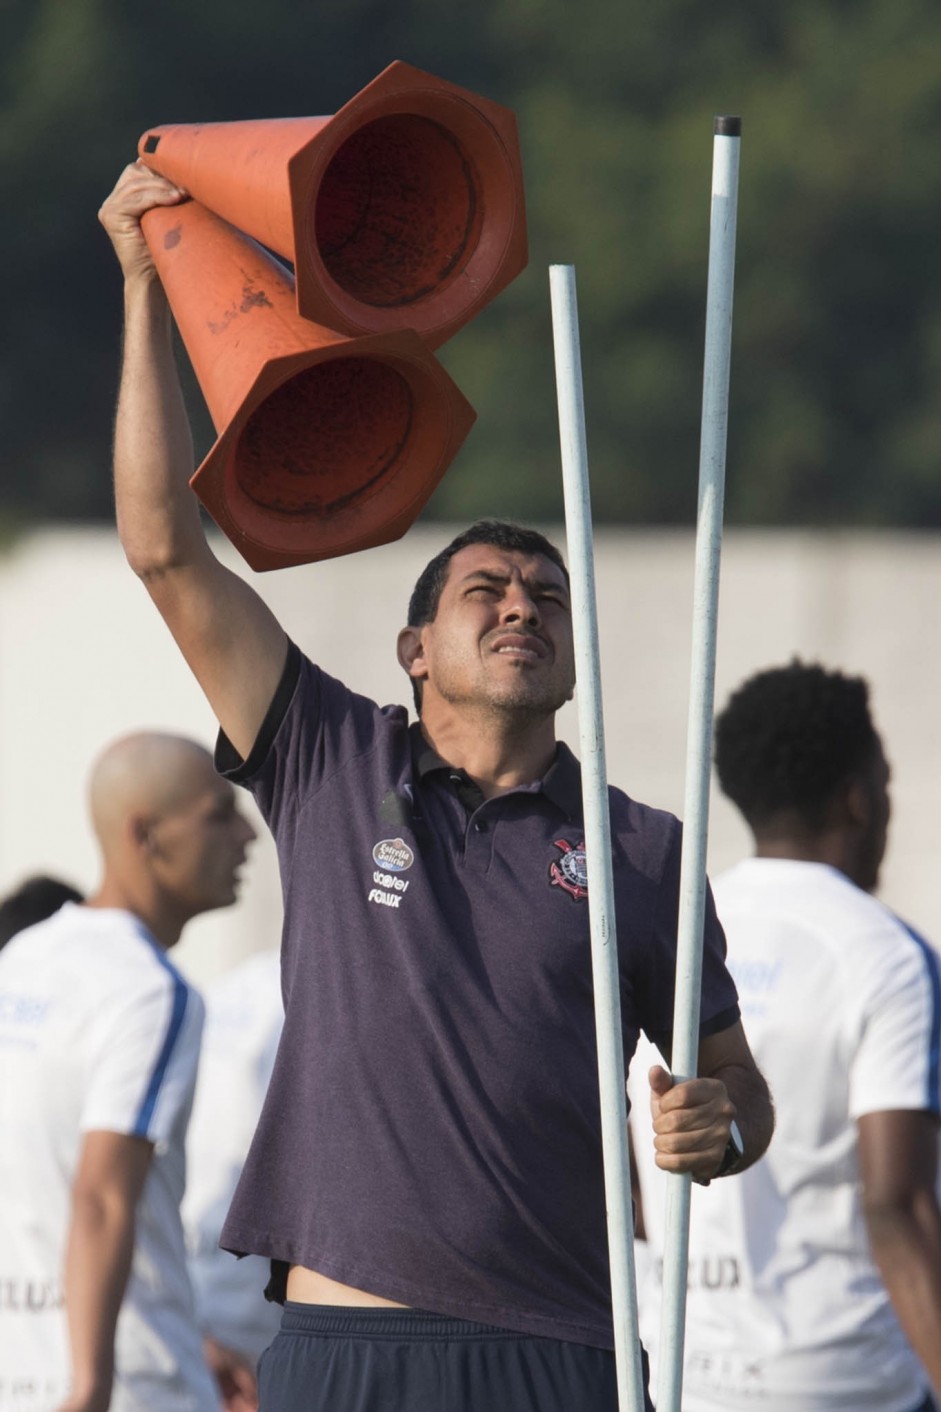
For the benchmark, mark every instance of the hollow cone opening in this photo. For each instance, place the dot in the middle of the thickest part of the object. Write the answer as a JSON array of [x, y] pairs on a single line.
[[328, 437], [397, 212]]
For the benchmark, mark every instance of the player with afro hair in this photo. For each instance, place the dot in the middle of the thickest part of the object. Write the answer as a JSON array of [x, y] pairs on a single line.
[[790, 739]]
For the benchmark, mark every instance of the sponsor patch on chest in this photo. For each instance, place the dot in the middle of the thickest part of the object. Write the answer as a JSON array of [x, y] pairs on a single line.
[[391, 856]]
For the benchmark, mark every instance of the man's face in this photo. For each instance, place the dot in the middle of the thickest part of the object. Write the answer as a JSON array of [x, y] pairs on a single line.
[[502, 637], [872, 850], [198, 848]]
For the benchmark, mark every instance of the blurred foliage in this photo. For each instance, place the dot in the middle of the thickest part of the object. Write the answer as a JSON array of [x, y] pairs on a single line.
[[835, 416]]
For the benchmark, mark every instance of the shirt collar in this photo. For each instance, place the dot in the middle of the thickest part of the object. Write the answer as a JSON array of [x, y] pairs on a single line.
[[562, 782]]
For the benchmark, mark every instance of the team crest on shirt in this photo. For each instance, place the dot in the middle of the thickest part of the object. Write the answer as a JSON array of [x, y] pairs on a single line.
[[570, 872], [391, 856]]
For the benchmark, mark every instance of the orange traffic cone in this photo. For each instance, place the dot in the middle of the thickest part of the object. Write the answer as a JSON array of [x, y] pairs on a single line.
[[326, 444], [403, 210]]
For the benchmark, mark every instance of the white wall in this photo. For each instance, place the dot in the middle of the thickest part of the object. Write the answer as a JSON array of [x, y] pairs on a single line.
[[84, 657]]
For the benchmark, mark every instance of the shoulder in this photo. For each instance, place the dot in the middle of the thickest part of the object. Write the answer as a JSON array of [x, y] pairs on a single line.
[[150, 1003], [902, 956], [91, 954], [26, 952], [648, 837], [646, 846], [314, 723], [812, 896], [137, 982], [817, 907], [130, 944]]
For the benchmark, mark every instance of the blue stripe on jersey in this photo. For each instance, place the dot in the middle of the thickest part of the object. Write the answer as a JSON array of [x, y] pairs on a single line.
[[177, 1011], [933, 966]]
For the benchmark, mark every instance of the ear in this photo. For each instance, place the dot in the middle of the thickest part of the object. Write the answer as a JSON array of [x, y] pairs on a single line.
[[141, 832], [858, 801], [410, 650]]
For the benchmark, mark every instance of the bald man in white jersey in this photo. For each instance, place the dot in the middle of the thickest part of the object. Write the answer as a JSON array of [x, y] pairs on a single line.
[[99, 1041]]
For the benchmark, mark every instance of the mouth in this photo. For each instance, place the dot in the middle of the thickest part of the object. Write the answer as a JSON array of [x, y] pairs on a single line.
[[522, 647]]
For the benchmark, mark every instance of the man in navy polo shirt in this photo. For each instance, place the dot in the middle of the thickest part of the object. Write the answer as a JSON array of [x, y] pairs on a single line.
[[426, 1177]]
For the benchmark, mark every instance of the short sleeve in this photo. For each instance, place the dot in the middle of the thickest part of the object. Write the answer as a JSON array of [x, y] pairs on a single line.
[[313, 728], [897, 1061], [143, 1070]]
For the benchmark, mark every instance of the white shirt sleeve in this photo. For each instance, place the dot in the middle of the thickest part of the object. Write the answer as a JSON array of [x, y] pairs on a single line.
[[896, 1066], [143, 1070]]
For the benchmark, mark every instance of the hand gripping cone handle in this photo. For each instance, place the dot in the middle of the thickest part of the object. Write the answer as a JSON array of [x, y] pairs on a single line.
[[326, 444], [403, 210]]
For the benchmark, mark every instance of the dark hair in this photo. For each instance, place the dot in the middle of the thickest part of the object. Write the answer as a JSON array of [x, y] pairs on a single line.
[[33, 901], [790, 737], [426, 595]]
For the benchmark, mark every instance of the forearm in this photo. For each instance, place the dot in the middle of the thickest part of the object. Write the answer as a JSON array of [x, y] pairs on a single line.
[[157, 513], [228, 635], [754, 1111], [97, 1265], [906, 1246]]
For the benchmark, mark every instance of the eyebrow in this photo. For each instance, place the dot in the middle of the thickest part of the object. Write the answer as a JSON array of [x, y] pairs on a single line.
[[499, 579]]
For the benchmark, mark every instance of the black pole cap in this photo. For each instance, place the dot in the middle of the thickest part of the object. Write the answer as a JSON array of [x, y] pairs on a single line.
[[728, 127]]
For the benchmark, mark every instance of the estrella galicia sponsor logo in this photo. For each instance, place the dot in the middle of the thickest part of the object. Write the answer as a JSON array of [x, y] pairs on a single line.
[[393, 854], [570, 871]]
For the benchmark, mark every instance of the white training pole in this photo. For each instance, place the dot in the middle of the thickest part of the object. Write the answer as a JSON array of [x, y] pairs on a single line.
[[604, 950], [715, 410]]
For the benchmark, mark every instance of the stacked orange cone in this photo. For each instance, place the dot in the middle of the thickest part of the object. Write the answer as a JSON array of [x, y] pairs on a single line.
[[402, 216]]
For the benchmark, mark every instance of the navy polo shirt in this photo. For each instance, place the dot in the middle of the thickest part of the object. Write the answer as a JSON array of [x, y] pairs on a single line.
[[432, 1131]]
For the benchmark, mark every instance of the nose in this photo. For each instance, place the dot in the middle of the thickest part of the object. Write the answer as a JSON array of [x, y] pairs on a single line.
[[248, 831], [519, 606]]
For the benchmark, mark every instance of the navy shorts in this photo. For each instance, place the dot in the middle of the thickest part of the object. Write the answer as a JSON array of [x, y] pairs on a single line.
[[327, 1359]]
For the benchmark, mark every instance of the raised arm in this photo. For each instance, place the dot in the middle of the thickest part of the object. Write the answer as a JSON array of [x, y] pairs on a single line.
[[232, 642], [898, 1160], [109, 1179]]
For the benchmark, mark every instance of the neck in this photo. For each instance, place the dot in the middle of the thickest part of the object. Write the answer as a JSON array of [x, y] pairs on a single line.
[[831, 846], [161, 920], [499, 754]]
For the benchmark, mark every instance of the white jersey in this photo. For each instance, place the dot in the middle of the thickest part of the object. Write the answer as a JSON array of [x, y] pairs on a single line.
[[98, 1032], [244, 1018], [841, 1003]]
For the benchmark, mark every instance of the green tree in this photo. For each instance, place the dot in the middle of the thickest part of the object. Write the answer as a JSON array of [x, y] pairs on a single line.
[[837, 330]]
